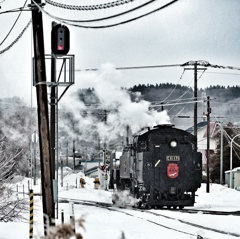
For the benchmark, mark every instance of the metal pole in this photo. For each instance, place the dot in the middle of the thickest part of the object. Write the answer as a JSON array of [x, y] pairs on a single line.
[[231, 160], [61, 161], [195, 98], [56, 145], [221, 156], [208, 142], [73, 154], [52, 114], [99, 151], [231, 163], [67, 155]]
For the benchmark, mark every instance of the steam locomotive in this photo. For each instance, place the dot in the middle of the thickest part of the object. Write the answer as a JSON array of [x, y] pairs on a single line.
[[160, 167]]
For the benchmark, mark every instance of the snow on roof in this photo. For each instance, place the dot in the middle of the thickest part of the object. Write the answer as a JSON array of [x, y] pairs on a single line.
[[201, 125], [234, 170]]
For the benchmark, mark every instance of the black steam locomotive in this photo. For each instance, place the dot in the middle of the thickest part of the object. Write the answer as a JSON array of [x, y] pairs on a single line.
[[160, 167]]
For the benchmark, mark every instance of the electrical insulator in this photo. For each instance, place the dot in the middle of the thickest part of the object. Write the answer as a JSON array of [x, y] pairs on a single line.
[[60, 37]]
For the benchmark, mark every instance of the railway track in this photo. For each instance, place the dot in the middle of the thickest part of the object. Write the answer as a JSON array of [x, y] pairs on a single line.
[[211, 212], [142, 214], [197, 225]]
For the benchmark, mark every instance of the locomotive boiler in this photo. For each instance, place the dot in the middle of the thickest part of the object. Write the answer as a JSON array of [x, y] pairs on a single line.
[[160, 167]]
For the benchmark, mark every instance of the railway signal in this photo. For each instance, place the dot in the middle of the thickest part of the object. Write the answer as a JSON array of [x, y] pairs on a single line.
[[60, 37]]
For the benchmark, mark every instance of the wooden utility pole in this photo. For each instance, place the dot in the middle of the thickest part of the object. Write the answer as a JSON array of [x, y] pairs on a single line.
[[43, 120]]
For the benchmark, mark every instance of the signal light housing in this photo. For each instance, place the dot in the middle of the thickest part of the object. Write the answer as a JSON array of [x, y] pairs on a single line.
[[60, 37]]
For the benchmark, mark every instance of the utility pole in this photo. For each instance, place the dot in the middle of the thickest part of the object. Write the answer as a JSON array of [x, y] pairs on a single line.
[[195, 98], [195, 93], [221, 156], [43, 120], [208, 141]]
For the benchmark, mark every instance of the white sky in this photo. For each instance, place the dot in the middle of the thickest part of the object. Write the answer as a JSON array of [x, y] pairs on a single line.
[[104, 224], [187, 30]]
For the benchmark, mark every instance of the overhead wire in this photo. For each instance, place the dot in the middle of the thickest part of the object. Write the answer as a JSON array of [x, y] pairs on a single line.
[[222, 73], [17, 39], [109, 17], [132, 67], [186, 93], [179, 103], [182, 94], [174, 87], [13, 24], [228, 103], [89, 7], [110, 25], [151, 67], [229, 139], [20, 9], [188, 99]]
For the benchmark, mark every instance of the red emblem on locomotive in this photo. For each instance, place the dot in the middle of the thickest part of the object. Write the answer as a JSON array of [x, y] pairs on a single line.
[[172, 170]]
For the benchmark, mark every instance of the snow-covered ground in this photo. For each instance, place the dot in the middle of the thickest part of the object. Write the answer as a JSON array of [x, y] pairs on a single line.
[[129, 224]]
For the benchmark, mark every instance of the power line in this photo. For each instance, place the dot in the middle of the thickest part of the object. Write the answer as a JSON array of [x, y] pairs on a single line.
[[180, 97], [17, 39], [180, 103], [110, 25], [133, 67], [222, 73], [89, 7], [20, 9], [161, 66], [13, 25], [109, 17], [189, 99], [228, 103]]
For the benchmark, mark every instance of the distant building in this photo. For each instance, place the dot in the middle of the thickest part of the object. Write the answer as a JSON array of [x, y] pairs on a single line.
[[202, 139], [235, 178]]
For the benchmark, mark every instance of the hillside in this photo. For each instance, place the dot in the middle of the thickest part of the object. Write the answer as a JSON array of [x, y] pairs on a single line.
[[224, 103]]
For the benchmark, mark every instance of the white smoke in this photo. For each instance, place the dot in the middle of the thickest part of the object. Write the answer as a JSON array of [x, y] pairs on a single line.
[[121, 111]]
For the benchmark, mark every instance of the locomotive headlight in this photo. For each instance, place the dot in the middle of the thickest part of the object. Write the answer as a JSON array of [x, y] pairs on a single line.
[[173, 143]]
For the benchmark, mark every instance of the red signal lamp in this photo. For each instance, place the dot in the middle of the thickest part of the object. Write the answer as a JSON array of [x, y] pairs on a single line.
[[60, 37]]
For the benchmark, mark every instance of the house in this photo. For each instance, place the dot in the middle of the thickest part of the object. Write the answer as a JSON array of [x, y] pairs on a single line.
[[202, 139]]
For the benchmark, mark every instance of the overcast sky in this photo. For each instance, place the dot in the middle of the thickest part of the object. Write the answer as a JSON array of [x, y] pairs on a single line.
[[184, 31]]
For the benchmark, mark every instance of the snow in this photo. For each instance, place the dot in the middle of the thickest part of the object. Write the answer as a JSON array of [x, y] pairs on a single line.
[[128, 223]]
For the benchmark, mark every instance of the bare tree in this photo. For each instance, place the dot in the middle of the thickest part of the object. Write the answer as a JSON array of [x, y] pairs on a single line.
[[11, 207]]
